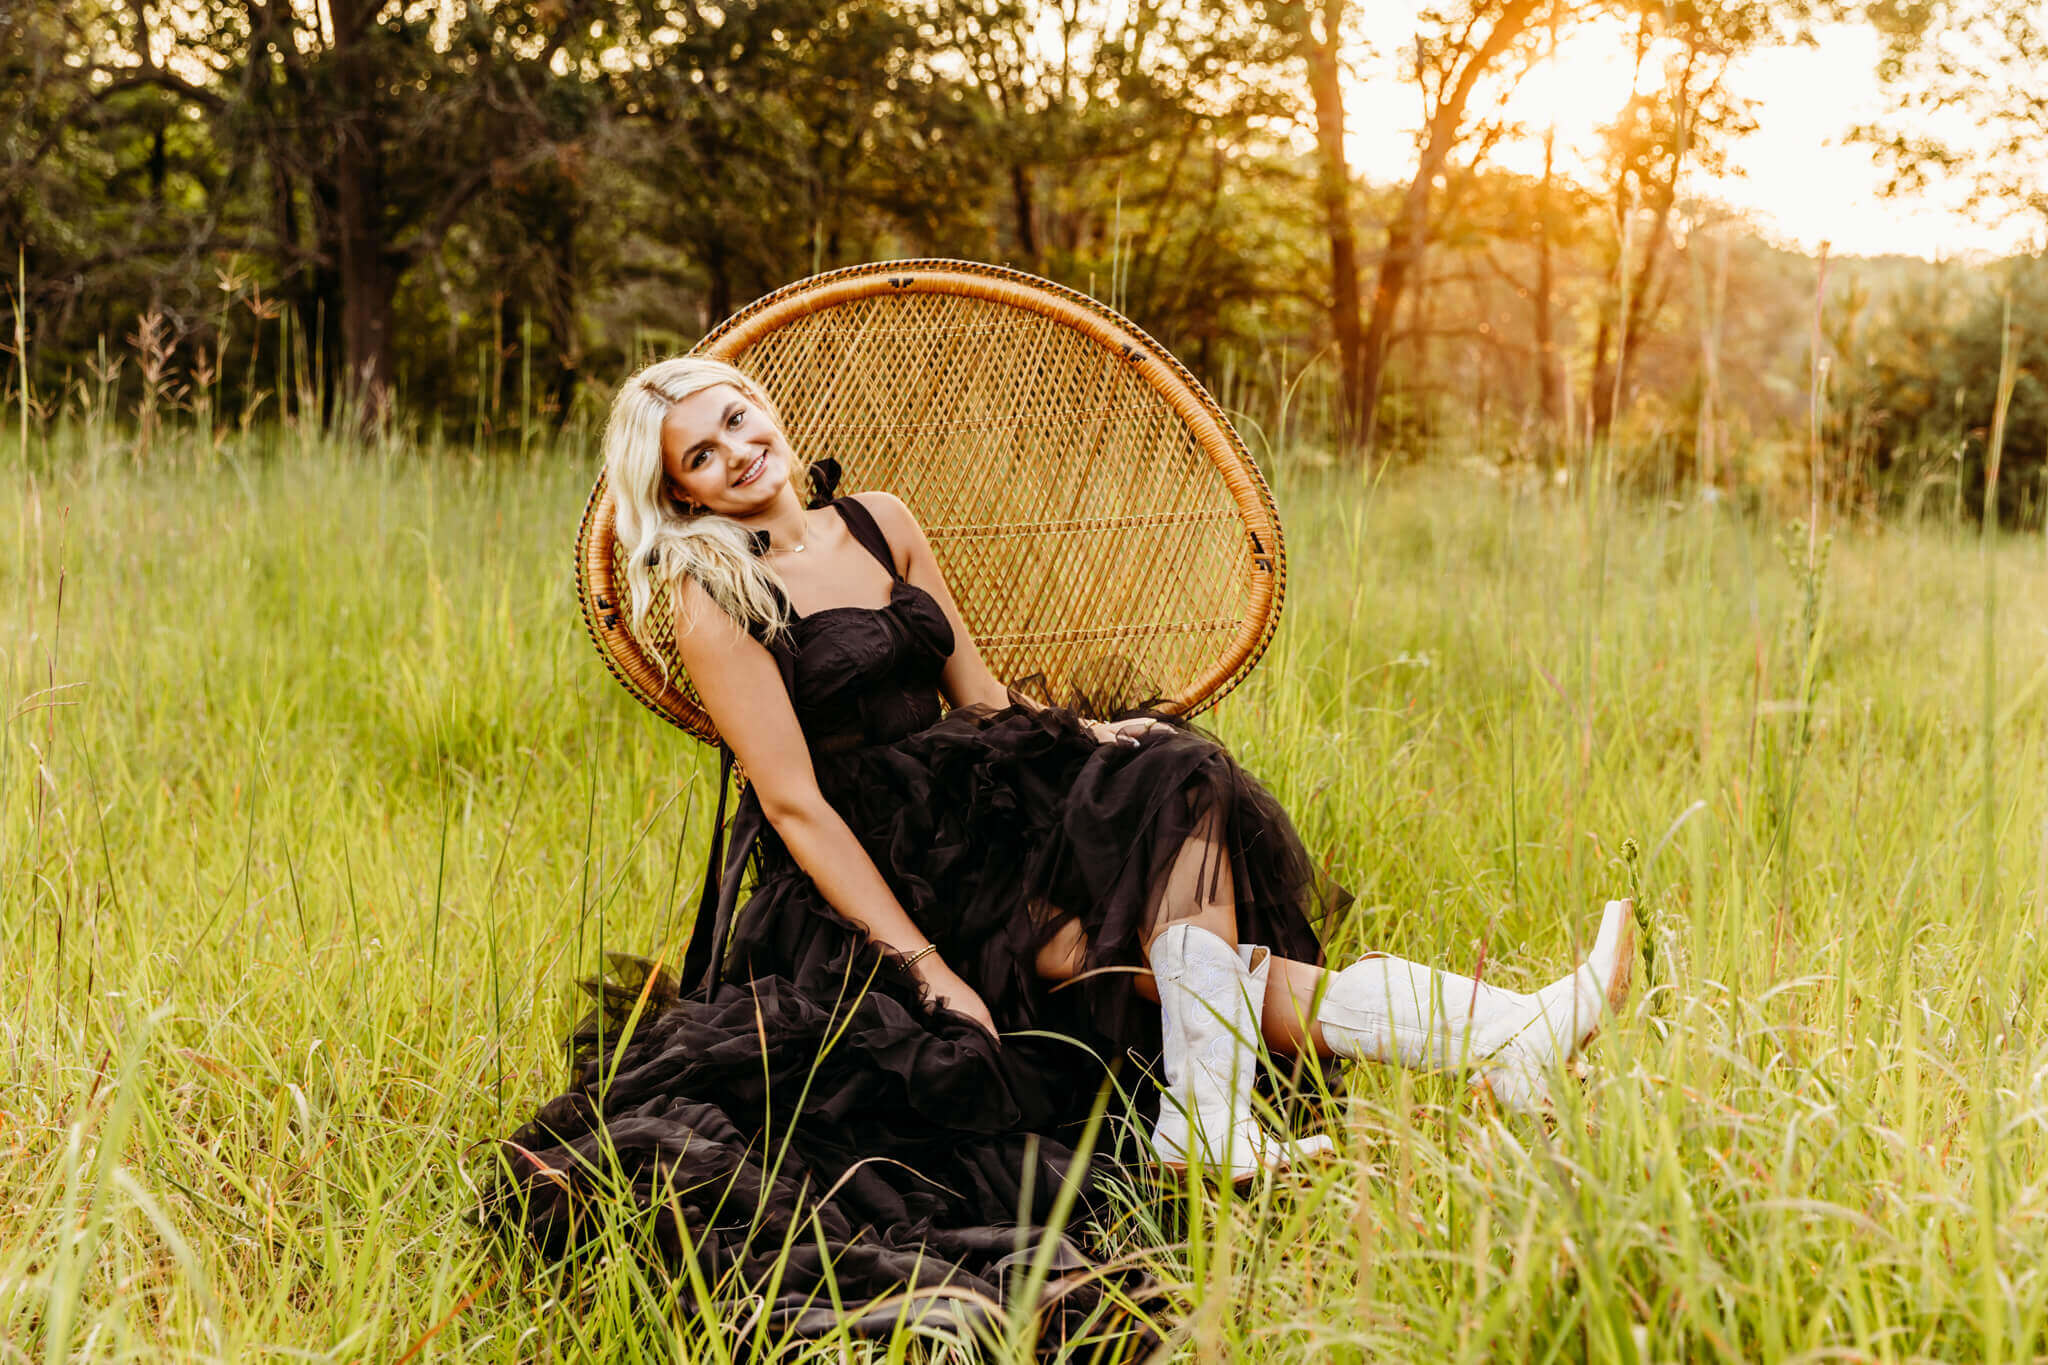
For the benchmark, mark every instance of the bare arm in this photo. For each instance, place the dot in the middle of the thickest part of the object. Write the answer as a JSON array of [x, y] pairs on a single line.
[[742, 690]]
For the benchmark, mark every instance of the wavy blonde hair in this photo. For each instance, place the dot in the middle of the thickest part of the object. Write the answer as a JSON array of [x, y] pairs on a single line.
[[654, 527]]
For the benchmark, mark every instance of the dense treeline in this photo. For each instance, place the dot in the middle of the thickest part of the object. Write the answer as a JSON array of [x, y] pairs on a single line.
[[480, 213]]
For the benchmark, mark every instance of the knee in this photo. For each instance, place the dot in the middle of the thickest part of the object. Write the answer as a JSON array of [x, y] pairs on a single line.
[[1060, 957], [1063, 956]]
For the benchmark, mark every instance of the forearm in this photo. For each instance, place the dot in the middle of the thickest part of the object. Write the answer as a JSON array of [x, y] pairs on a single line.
[[968, 683], [825, 848]]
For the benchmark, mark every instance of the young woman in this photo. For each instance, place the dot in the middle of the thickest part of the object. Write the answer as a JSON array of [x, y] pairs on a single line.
[[964, 913]]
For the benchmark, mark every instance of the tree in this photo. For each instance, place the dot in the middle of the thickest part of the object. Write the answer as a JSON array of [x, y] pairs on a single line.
[[1684, 120], [1456, 53], [1115, 136], [1450, 61], [1321, 35], [337, 147], [1920, 384], [1968, 100], [376, 126]]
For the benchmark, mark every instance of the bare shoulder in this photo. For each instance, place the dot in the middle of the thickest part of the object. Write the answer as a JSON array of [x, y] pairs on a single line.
[[899, 524], [887, 507], [700, 621]]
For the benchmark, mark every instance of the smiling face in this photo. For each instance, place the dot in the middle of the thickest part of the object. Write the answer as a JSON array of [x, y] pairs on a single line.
[[724, 453]]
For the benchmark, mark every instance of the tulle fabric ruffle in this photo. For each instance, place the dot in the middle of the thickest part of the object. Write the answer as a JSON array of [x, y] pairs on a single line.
[[996, 825], [815, 1118], [873, 1151]]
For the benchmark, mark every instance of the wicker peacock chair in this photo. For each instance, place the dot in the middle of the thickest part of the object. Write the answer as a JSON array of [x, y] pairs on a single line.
[[1103, 527]]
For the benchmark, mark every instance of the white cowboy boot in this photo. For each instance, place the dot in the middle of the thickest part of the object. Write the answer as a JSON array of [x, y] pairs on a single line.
[[1386, 1009], [1209, 1002], [1277, 1153]]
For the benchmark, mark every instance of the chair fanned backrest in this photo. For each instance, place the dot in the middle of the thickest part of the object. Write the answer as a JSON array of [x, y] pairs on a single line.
[[1101, 524]]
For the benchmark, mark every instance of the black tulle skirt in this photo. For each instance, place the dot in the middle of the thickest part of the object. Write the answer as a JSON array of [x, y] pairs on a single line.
[[809, 1117]]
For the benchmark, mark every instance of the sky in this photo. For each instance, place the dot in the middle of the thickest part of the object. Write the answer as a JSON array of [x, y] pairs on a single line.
[[1798, 176]]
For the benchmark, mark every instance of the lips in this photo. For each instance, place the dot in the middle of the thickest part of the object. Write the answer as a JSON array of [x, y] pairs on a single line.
[[753, 471]]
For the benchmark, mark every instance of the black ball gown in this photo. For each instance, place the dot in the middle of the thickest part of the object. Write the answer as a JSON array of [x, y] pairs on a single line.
[[793, 1098]]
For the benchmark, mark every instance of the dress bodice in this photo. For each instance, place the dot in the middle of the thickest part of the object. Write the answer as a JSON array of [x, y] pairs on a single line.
[[859, 675]]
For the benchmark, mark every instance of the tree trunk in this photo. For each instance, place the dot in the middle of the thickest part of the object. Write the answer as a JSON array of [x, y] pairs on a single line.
[[1600, 395], [1600, 390], [1333, 190], [366, 294], [1634, 318], [1611, 381], [1027, 216], [1408, 234], [367, 284], [1636, 321], [1549, 383], [715, 265], [318, 367], [1640, 307], [159, 164], [563, 312]]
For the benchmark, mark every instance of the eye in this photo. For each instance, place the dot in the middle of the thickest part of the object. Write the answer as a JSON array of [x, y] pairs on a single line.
[[738, 416]]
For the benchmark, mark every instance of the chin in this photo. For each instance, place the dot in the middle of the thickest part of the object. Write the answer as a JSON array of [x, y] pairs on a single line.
[[738, 502]]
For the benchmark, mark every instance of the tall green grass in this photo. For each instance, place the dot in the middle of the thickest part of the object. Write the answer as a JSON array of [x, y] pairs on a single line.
[[313, 799]]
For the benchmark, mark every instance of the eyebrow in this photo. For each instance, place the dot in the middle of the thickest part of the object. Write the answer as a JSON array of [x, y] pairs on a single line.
[[723, 418]]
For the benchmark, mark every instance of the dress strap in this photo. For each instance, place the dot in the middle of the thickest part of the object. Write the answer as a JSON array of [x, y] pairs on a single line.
[[862, 523]]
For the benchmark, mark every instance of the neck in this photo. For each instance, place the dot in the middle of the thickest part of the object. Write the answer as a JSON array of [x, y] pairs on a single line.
[[784, 521]]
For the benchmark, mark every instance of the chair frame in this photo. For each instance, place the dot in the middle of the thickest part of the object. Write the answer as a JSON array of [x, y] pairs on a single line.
[[601, 596]]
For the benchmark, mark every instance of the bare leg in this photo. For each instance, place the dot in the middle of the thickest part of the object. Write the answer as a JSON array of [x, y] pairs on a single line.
[[1061, 957], [1288, 1020], [1199, 890], [1395, 1011], [1065, 954]]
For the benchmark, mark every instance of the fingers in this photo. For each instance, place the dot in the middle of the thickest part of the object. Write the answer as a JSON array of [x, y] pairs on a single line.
[[1123, 732], [966, 1003]]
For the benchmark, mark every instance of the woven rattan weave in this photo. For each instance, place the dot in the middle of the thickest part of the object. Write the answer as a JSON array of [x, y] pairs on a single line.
[[1102, 526]]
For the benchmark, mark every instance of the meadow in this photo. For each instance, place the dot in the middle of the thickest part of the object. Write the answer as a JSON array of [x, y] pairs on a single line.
[[314, 799]]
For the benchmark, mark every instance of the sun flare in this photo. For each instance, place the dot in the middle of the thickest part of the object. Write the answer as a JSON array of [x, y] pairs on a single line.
[[1799, 176]]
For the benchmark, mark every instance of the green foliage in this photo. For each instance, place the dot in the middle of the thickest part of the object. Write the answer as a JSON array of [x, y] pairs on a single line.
[[313, 800], [574, 184], [1921, 387], [1975, 65], [491, 212]]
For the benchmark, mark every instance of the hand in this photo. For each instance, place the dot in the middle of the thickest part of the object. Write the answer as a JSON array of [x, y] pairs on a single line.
[[947, 989], [1124, 732]]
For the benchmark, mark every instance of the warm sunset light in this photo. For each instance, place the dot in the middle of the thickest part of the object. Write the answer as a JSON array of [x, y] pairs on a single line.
[[1576, 91], [1023, 682], [1798, 176]]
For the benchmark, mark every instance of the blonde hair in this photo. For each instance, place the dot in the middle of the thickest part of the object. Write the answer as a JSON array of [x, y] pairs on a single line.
[[652, 524]]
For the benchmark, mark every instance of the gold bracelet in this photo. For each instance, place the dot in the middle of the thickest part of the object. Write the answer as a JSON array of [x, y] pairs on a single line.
[[909, 960]]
